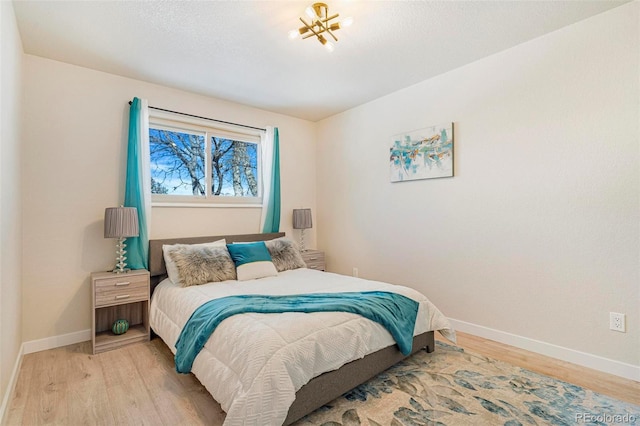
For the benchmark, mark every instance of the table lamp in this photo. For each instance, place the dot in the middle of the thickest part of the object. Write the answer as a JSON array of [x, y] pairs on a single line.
[[121, 222], [302, 221]]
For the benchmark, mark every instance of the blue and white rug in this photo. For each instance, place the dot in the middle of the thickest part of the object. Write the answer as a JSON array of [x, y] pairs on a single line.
[[454, 387]]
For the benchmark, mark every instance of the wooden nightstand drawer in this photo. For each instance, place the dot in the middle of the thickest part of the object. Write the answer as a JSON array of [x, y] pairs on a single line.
[[314, 259], [121, 282], [118, 296]]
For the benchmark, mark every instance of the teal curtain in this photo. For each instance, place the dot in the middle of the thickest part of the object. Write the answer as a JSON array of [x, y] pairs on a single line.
[[272, 219], [135, 186]]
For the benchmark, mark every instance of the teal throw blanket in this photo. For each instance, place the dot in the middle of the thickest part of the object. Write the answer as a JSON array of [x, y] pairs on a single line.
[[395, 312]]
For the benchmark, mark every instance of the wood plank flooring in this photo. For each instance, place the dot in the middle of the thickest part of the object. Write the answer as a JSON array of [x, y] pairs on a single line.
[[138, 385], [597, 381]]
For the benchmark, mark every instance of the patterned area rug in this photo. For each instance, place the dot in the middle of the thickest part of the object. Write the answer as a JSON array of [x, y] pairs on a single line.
[[454, 387]]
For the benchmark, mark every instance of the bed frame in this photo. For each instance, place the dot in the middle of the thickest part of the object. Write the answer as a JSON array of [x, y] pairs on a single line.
[[325, 387]]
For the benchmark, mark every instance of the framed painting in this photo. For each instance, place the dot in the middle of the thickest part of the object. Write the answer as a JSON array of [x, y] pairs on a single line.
[[422, 154]]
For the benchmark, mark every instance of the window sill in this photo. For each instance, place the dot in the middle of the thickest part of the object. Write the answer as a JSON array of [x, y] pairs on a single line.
[[208, 205]]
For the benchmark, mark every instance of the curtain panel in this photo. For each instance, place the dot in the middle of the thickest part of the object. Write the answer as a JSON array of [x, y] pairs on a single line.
[[270, 219], [138, 182]]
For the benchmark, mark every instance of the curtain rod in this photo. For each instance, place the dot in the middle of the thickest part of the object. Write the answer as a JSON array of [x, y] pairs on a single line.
[[206, 118]]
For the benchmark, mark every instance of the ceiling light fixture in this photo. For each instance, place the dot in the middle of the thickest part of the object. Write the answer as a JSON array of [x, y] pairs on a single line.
[[320, 24]]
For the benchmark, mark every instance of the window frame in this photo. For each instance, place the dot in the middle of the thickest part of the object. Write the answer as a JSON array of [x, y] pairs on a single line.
[[168, 121]]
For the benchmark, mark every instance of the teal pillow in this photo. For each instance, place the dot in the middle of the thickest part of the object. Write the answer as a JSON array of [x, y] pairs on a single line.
[[252, 260]]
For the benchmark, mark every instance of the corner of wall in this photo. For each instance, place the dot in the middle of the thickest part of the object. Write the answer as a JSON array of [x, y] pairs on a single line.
[[10, 203], [10, 391]]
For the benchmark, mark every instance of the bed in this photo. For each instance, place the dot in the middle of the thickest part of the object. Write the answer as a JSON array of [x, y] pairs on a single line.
[[317, 375]]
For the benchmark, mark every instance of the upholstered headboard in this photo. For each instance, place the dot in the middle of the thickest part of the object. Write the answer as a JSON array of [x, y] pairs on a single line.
[[157, 267]]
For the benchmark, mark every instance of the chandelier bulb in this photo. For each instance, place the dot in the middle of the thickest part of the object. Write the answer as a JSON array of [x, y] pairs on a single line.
[[293, 34], [346, 22], [310, 12], [329, 46]]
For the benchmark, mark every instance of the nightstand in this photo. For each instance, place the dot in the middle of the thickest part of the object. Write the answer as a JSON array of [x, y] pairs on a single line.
[[314, 259], [119, 296]]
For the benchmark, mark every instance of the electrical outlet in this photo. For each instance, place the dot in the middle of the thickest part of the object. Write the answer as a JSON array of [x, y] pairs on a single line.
[[617, 322], [355, 272]]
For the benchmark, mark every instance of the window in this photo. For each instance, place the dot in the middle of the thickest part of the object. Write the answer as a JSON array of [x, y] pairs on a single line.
[[192, 162]]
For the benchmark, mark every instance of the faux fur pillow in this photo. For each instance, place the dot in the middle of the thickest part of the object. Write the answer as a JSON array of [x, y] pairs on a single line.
[[204, 264], [285, 254], [172, 271]]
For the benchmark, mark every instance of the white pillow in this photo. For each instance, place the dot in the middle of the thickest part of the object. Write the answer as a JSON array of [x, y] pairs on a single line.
[[172, 269], [255, 270]]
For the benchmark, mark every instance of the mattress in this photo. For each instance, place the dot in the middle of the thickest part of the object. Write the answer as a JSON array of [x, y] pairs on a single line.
[[253, 364]]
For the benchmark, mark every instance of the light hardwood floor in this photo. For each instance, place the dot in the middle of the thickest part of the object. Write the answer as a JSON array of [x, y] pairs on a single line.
[[606, 384], [138, 385]]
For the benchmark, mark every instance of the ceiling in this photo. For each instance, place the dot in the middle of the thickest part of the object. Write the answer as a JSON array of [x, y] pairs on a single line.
[[239, 50]]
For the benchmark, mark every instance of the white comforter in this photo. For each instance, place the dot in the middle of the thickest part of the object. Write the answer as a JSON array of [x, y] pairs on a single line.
[[254, 363]]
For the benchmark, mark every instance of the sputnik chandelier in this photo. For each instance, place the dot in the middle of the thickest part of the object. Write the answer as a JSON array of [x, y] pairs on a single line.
[[320, 24]]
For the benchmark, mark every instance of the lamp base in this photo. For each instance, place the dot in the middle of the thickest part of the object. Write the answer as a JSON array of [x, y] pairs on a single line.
[[302, 247], [121, 265]]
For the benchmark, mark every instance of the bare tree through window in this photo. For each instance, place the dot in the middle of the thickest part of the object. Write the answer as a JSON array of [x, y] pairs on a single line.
[[234, 168], [177, 162], [178, 165]]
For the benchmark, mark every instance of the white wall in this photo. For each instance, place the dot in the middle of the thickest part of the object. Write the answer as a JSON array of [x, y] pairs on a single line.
[[538, 233], [75, 151], [10, 197]]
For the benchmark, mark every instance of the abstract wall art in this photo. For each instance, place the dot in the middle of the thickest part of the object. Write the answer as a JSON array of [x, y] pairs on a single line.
[[422, 154]]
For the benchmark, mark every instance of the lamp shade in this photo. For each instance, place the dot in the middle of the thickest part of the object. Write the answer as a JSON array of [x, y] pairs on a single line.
[[302, 219], [120, 222]]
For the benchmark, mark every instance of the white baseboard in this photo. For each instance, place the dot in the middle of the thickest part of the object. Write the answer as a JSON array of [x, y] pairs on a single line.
[[584, 359], [11, 388], [56, 341]]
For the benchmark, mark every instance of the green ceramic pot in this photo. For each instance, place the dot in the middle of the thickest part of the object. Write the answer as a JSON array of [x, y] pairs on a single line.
[[120, 326]]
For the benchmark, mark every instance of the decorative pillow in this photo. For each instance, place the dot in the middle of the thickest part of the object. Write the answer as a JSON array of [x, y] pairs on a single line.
[[252, 260], [285, 254], [172, 271], [202, 264]]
